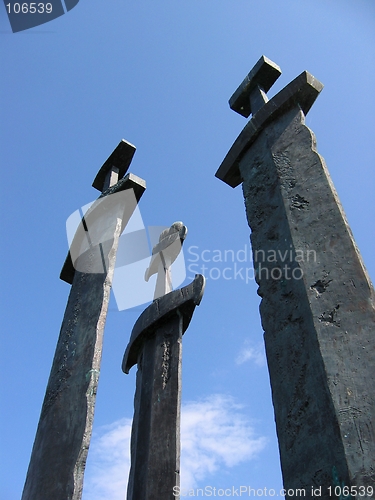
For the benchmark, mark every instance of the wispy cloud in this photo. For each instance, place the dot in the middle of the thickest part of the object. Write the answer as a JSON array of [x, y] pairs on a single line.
[[215, 434], [253, 353], [108, 465]]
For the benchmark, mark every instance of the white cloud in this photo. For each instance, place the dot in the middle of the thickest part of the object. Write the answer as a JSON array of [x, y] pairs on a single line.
[[254, 353], [107, 470], [214, 435]]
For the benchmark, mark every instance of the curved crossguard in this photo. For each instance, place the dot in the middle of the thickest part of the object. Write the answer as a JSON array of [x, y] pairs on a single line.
[[159, 312], [164, 254]]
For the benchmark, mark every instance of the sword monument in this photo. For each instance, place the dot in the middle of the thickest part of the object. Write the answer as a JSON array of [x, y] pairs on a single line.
[[317, 306], [63, 436], [156, 347]]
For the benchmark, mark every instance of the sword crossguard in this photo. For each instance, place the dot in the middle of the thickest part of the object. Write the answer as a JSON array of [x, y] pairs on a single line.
[[250, 97]]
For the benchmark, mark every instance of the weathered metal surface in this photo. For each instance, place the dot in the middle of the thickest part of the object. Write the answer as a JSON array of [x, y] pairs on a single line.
[[317, 309], [62, 439], [318, 315], [156, 345]]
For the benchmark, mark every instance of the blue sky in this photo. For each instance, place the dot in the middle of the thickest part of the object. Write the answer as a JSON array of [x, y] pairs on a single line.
[[160, 74]]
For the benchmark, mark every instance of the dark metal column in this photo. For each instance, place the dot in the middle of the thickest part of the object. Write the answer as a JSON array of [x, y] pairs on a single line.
[[317, 304]]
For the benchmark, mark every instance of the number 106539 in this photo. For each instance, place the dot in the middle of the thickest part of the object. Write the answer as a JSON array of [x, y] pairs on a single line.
[[32, 8]]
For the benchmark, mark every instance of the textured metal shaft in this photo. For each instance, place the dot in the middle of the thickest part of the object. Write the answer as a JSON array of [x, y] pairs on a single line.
[[156, 346], [317, 311], [62, 440], [155, 444]]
